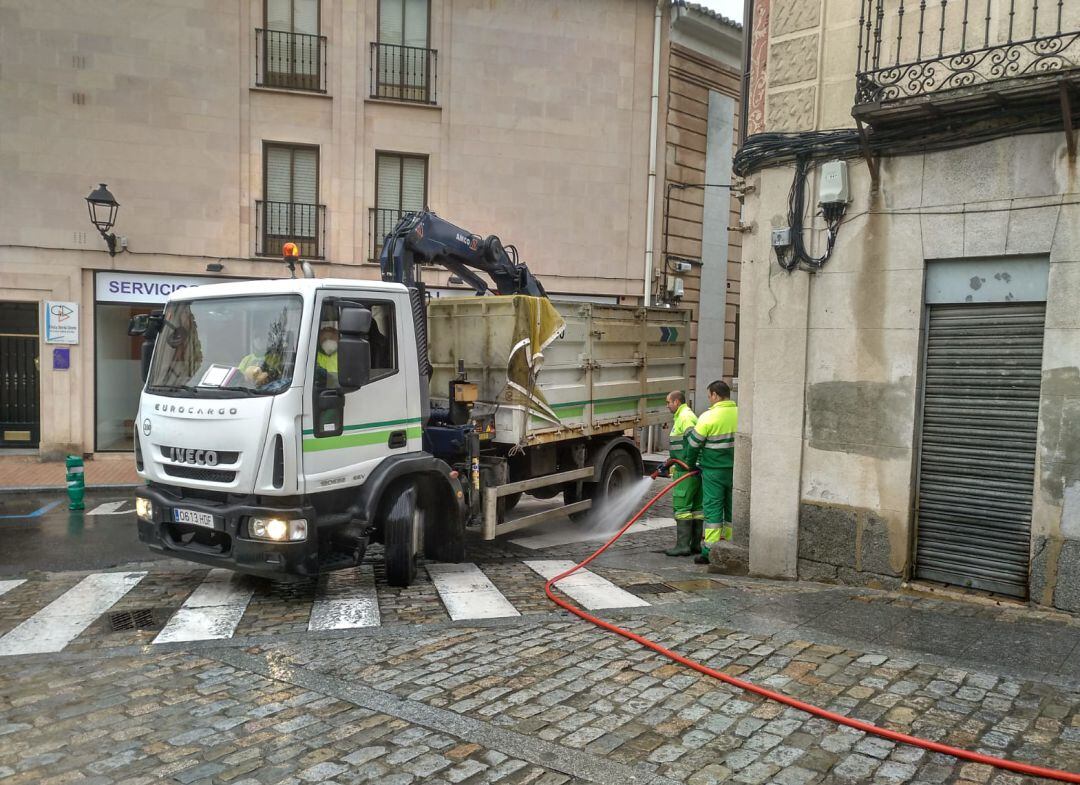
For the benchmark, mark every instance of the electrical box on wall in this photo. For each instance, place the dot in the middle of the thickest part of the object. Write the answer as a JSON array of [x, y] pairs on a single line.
[[675, 287], [833, 188], [781, 238]]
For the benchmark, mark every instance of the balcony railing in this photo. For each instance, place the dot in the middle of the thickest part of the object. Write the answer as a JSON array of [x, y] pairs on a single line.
[[277, 223], [403, 73], [910, 48], [292, 61], [380, 223]]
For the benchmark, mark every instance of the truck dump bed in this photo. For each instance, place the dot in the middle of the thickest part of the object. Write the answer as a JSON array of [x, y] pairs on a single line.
[[610, 368]]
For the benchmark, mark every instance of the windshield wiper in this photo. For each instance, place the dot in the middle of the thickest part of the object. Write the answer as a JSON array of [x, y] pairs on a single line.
[[154, 388]]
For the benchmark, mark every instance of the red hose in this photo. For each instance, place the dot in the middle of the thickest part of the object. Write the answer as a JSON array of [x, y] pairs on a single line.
[[866, 727]]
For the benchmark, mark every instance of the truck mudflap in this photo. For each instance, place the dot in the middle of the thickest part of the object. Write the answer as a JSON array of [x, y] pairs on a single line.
[[217, 534]]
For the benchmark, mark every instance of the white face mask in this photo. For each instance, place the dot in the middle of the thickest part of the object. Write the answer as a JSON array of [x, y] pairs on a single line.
[[329, 346]]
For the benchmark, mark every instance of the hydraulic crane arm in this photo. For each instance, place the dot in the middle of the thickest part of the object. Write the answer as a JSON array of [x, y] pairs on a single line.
[[425, 238]]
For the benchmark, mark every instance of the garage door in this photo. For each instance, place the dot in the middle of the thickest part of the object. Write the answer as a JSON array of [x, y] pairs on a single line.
[[977, 452]]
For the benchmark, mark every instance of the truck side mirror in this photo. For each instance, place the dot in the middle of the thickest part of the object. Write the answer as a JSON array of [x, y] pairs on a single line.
[[139, 324], [354, 349]]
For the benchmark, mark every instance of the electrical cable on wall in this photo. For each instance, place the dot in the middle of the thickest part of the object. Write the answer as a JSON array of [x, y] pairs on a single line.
[[933, 135], [793, 255]]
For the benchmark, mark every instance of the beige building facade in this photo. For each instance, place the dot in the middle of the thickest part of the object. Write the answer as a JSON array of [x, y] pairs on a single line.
[[225, 129], [909, 406]]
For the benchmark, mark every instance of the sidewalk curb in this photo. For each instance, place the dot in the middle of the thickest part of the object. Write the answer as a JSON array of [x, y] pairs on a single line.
[[63, 488]]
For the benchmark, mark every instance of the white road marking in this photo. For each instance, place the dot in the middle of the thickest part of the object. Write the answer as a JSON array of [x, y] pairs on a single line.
[[346, 600], [570, 532], [587, 588], [6, 586], [62, 620], [110, 508], [212, 611], [468, 594]]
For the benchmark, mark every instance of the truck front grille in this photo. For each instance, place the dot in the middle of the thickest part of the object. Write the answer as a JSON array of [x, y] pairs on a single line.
[[199, 473]]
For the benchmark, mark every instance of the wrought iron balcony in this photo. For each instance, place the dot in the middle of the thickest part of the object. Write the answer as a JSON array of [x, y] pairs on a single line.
[[380, 222], [404, 73], [291, 61], [277, 223], [910, 49]]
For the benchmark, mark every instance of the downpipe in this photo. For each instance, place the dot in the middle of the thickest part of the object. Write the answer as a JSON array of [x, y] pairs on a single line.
[[840, 719]]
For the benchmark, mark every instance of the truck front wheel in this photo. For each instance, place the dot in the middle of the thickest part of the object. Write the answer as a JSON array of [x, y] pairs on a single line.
[[403, 530]]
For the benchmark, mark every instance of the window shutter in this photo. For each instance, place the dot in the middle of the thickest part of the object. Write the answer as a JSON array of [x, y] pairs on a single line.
[[389, 172], [416, 23], [305, 176], [390, 21], [278, 174], [279, 15], [305, 190], [306, 17], [412, 188]]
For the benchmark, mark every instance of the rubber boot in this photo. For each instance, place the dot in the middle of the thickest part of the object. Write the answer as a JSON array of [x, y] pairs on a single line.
[[699, 533], [684, 530], [703, 557]]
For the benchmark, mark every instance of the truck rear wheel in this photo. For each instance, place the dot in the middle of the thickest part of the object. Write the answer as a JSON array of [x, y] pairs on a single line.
[[618, 473], [403, 529]]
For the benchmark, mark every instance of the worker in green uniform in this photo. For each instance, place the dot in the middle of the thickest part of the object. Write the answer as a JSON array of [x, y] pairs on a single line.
[[689, 515], [710, 446]]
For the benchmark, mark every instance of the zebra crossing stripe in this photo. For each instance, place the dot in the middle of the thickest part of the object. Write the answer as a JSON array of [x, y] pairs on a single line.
[[212, 611], [62, 620], [468, 594], [346, 600], [586, 587], [109, 508], [6, 586]]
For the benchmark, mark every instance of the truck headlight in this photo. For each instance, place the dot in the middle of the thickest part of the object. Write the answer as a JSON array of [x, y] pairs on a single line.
[[278, 529], [144, 509]]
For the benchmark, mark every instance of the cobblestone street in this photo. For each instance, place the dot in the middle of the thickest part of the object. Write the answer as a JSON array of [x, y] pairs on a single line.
[[541, 697]]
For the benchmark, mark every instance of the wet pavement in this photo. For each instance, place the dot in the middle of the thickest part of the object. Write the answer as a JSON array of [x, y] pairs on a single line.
[[540, 697], [41, 534]]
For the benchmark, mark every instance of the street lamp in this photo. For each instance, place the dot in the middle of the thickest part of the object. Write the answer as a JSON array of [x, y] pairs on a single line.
[[103, 207]]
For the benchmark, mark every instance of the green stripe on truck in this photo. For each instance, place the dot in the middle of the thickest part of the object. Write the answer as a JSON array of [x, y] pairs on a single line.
[[358, 439]]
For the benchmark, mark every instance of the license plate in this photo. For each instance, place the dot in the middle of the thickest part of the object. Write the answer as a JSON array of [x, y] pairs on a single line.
[[193, 517]]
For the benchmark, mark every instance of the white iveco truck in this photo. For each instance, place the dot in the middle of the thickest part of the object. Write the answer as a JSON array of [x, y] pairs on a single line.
[[287, 424]]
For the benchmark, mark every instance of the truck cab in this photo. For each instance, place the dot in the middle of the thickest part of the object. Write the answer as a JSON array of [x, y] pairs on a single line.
[[280, 423]]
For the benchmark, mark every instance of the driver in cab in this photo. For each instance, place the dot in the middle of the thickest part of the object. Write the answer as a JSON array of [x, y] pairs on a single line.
[[326, 359]]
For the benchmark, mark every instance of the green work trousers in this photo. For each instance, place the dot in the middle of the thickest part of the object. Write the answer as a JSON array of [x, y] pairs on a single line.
[[716, 495], [686, 497]]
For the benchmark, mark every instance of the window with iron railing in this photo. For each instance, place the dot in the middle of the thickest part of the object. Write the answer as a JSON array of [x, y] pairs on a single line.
[[403, 66], [291, 211], [292, 61], [909, 48], [403, 73], [290, 52]]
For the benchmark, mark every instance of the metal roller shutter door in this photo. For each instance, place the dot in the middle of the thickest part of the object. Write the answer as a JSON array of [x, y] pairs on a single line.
[[977, 458]]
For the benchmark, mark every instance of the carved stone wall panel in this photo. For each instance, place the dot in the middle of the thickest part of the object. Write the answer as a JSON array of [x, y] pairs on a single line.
[[793, 61], [791, 16], [791, 110]]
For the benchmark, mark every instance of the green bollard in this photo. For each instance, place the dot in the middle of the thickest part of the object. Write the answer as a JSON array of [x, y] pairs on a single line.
[[76, 486]]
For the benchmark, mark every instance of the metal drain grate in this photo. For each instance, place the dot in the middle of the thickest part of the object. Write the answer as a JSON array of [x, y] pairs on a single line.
[[650, 588], [139, 619]]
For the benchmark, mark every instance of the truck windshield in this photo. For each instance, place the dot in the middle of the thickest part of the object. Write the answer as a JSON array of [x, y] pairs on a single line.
[[226, 347]]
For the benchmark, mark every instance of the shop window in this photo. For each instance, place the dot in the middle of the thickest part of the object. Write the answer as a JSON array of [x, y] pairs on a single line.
[[118, 379]]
